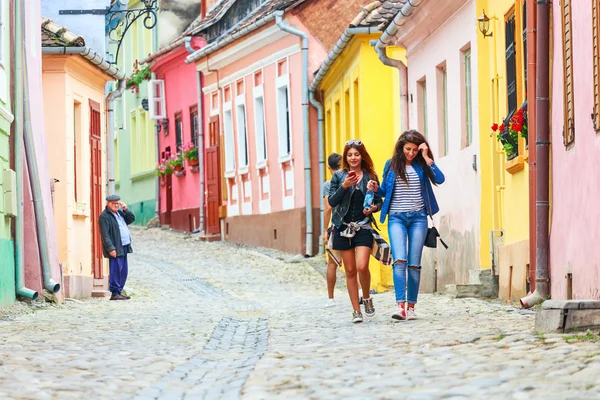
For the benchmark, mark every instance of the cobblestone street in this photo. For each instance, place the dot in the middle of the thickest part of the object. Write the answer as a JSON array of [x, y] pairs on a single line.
[[215, 320]]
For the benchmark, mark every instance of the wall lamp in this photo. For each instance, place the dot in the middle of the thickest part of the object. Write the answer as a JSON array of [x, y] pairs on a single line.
[[165, 124], [484, 25]]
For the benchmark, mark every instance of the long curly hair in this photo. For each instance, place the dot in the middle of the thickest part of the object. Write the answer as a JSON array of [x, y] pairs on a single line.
[[398, 163], [366, 162]]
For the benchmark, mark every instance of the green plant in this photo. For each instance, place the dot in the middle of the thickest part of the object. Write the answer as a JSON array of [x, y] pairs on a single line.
[[508, 134], [176, 161], [163, 168], [137, 77], [588, 337], [190, 153]]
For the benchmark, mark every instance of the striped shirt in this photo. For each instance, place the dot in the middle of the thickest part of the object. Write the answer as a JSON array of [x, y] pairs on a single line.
[[407, 197]]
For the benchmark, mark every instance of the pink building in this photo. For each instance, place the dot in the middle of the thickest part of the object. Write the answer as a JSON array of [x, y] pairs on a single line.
[[180, 193], [262, 150], [575, 210]]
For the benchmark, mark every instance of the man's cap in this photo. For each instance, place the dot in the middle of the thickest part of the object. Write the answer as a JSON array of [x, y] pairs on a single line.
[[113, 197]]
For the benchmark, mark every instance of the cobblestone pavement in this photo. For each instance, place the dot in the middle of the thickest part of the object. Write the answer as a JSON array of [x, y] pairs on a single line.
[[216, 320]]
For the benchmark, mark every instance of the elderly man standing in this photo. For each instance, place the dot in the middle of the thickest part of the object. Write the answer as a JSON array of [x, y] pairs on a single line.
[[116, 242]]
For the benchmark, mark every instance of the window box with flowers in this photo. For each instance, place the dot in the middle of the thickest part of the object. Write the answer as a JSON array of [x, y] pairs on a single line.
[[138, 76], [190, 153], [508, 134], [176, 162], [163, 168]]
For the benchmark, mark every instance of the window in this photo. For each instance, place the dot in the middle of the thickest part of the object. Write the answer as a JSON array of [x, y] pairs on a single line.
[[134, 144], [242, 132], [468, 138], [338, 127], [569, 107], [422, 103], [524, 35], [596, 46], [347, 113], [442, 83], [194, 125], [156, 100], [178, 132], [511, 65], [259, 127], [283, 118], [229, 146], [77, 156], [356, 110], [3, 59]]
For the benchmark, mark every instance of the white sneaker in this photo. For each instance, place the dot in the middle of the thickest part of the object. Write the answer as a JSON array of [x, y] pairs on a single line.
[[330, 303], [411, 314]]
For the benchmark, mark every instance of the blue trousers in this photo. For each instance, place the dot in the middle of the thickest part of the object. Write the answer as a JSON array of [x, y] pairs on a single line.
[[118, 272]]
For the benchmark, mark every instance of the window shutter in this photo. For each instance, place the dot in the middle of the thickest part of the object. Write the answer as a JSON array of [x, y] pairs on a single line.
[[156, 99], [569, 111], [595, 27], [525, 43]]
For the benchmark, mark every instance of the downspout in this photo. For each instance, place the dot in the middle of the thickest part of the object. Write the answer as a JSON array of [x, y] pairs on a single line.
[[314, 86], [190, 49], [306, 127], [34, 177], [531, 90], [21, 290], [387, 39], [542, 144], [110, 156]]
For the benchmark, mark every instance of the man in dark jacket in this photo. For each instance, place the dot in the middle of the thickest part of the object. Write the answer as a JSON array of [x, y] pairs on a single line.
[[116, 242]]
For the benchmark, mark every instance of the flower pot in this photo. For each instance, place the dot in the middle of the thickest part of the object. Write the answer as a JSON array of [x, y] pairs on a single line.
[[178, 167], [193, 162]]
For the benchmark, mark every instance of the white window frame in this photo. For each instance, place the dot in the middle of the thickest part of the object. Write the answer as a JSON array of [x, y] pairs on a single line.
[[242, 134], [154, 100], [468, 68], [282, 82], [260, 128], [229, 140]]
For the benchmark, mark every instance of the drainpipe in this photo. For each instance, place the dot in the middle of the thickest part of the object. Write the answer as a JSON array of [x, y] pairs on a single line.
[[191, 50], [531, 66], [315, 103], [21, 290], [110, 156], [314, 86], [388, 39], [542, 144], [306, 127], [34, 177]]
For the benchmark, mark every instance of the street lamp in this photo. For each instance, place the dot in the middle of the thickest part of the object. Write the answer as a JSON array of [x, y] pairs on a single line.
[[484, 25]]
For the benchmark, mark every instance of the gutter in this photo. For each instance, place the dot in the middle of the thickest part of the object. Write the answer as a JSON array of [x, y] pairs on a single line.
[[306, 125], [21, 290], [387, 39], [337, 50], [89, 55], [230, 38], [164, 50], [542, 144]]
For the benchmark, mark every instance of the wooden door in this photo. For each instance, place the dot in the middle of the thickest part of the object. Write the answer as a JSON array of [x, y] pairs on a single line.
[[213, 178], [166, 216], [96, 187]]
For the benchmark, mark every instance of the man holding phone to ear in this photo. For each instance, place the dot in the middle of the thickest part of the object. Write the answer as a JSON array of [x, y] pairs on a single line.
[[116, 242]]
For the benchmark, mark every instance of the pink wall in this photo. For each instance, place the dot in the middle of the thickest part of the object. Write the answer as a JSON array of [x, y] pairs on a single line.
[[575, 209], [181, 94], [269, 75], [34, 87]]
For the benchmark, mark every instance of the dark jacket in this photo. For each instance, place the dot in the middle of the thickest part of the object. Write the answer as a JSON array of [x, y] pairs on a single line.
[[389, 180], [110, 233], [339, 198]]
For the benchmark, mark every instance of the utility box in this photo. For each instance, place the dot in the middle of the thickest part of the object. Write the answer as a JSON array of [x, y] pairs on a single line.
[[9, 183]]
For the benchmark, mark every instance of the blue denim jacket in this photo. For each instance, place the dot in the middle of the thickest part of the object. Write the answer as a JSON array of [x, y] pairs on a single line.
[[339, 198], [389, 180]]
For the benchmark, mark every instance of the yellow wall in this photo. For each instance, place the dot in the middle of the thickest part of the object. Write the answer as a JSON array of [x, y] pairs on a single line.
[[362, 101], [504, 196]]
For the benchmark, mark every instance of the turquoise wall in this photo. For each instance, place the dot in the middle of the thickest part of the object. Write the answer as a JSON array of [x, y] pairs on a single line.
[[7, 272]]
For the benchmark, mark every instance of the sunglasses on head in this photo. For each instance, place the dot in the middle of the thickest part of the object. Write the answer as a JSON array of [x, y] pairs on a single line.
[[356, 142]]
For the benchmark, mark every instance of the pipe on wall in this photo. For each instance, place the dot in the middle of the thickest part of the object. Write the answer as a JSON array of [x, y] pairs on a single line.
[[36, 189], [21, 290], [315, 103], [403, 71], [542, 143], [306, 128], [110, 156], [531, 91]]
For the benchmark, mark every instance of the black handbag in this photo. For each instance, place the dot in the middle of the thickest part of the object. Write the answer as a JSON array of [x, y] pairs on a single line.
[[432, 233]]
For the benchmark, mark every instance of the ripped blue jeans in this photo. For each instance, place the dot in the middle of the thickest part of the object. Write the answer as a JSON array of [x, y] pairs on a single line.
[[407, 231]]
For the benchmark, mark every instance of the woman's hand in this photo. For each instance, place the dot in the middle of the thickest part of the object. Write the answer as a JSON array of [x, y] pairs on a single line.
[[373, 185], [425, 153], [350, 180], [370, 210]]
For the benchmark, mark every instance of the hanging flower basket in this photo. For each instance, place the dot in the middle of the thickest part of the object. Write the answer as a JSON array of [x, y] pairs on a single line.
[[137, 77], [190, 153], [509, 131]]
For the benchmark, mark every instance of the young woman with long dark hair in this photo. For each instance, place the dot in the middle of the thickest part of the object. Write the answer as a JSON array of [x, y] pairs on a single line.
[[352, 232], [407, 188]]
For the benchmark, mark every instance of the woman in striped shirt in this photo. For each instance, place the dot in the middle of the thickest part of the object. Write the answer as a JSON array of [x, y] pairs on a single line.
[[409, 198]]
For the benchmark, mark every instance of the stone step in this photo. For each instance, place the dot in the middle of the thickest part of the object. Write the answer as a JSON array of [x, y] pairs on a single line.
[[482, 276], [469, 290], [563, 316]]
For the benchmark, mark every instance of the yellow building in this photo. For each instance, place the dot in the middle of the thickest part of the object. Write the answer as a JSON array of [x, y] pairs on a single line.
[[504, 179], [361, 100]]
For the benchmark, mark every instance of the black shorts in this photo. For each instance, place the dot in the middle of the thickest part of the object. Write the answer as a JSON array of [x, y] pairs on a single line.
[[363, 237]]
